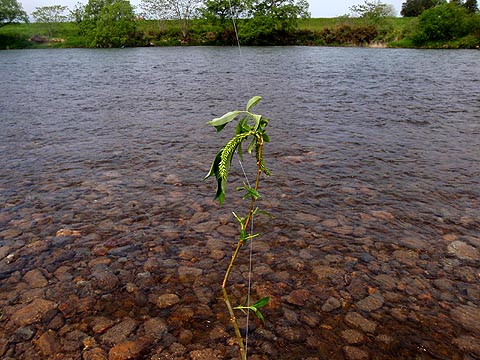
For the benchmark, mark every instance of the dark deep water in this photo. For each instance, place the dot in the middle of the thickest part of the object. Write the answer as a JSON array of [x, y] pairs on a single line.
[[374, 251]]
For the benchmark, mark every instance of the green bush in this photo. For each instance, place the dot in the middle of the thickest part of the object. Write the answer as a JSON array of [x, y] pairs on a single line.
[[442, 23], [346, 34]]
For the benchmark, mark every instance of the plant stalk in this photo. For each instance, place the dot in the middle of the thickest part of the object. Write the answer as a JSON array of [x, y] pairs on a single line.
[[233, 319]]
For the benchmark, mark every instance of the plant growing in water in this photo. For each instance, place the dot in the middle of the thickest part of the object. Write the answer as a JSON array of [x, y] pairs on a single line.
[[250, 127]]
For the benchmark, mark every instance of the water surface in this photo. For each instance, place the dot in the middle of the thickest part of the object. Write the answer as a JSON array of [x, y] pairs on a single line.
[[375, 190]]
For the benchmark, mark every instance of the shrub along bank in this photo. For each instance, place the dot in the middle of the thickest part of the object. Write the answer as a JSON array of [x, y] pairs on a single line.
[[440, 27]]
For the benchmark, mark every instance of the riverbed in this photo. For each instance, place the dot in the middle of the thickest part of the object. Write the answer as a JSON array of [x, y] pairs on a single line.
[[111, 243]]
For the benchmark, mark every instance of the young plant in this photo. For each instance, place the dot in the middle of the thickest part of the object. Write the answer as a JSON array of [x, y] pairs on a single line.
[[250, 127]]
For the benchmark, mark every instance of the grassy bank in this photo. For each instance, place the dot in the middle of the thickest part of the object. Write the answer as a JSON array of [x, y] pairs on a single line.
[[391, 32]]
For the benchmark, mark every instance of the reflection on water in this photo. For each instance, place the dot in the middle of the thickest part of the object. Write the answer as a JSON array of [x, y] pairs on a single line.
[[110, 239]]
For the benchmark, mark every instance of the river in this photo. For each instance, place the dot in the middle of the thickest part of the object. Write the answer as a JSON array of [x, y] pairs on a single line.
[[110, 241]]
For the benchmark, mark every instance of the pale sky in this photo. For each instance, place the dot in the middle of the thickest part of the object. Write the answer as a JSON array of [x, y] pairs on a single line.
[[318, 8]]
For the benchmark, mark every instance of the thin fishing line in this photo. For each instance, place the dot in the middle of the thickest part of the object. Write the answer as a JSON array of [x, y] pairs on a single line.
[[250, 257]]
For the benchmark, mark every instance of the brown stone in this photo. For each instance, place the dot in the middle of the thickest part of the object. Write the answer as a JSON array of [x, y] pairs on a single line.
[[383, 215], [128, 350], [167, 300], [352, 336], [120, 332], [357, 320], [204, 354], [467, 316], [48, 343], [468, 343], [34, 312], [355, 353], [155, 327], [228, 231], [298, 297], [35, 279], [101, 324], [188, 273], [331, 304], [68, 232], [371, 303], [305, 217], [94, 354], [3, 343], [463, 251]]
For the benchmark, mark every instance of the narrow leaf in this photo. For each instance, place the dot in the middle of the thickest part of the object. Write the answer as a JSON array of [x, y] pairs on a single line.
[[260, 315], [252, 145], [237, 217], [253, 101], [215, 163], [251, 193], [256, 120], [266, 213], [220, 195], [262, 302], [217, 122]]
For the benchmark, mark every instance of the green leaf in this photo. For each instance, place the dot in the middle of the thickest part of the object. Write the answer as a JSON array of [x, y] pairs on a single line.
[[251, 193], [266, 213], [220, 195], [260, 315], [256, 119], [214, 166], [253, 101], [252, 145], [243, 235], [262, 302], [240, 220], [219, 123]]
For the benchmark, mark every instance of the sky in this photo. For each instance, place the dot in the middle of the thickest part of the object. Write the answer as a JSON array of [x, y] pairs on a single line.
[[318, 8]]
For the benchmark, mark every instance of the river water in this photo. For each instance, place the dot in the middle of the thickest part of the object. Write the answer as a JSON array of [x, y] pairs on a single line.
[[107, 228]]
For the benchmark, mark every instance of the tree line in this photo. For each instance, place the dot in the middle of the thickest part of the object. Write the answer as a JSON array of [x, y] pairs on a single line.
[[114, 23]]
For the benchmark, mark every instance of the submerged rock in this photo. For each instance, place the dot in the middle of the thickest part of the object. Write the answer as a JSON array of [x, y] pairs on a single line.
[[467, 316], [331, 304], [463, 251], [167, 300], [371, 303], [36, 311]]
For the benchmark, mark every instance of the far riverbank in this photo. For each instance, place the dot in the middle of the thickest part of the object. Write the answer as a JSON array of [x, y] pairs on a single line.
[[390, 32]]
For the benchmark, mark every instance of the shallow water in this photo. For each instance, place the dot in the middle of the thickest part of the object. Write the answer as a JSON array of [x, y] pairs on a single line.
[[374, 249]]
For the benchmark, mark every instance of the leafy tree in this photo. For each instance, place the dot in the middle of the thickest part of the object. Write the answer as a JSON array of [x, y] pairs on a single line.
[[158, 10], [271, 17], [108, 23], [373, 10], [413, 8], [471, 6], [184, 11], [222, 11], [50, 16], [181, 10], [78, 13], [442, 23], [11, 11]]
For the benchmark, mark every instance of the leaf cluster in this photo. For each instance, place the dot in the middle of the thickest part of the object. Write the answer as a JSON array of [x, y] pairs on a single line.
[[106, 23], [255, 307], [250, 127], [11, 11], [443, 23]]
